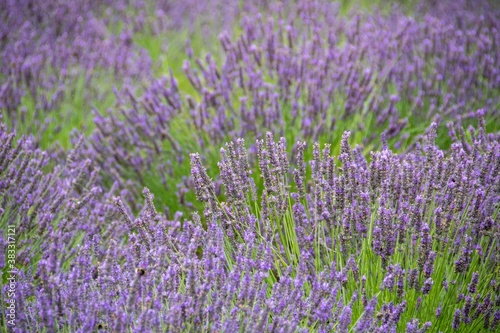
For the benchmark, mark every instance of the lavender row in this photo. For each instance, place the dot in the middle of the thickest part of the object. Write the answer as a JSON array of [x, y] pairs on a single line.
[[307, 72], [58, 52], [406, 242]]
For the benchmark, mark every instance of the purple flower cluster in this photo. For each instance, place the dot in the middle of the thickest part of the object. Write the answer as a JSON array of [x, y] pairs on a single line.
[[310, 238], [305, 71], [49, 49], [56, 51], [54, 205], [294, 264]]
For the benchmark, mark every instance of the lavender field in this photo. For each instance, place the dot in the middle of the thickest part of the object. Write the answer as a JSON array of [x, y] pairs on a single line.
[[283, 166]]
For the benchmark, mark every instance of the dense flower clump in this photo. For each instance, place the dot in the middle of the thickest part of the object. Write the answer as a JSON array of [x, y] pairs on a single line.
[[52, 59], [59, 55], [307, 73], [48, 205], [371, 246], [324, 170]]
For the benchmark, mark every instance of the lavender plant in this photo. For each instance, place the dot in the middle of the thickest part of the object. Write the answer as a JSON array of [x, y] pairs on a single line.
[[50, 208], [307, 73], [53, 62], [53, 59], [390, 244], [391, 226]]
